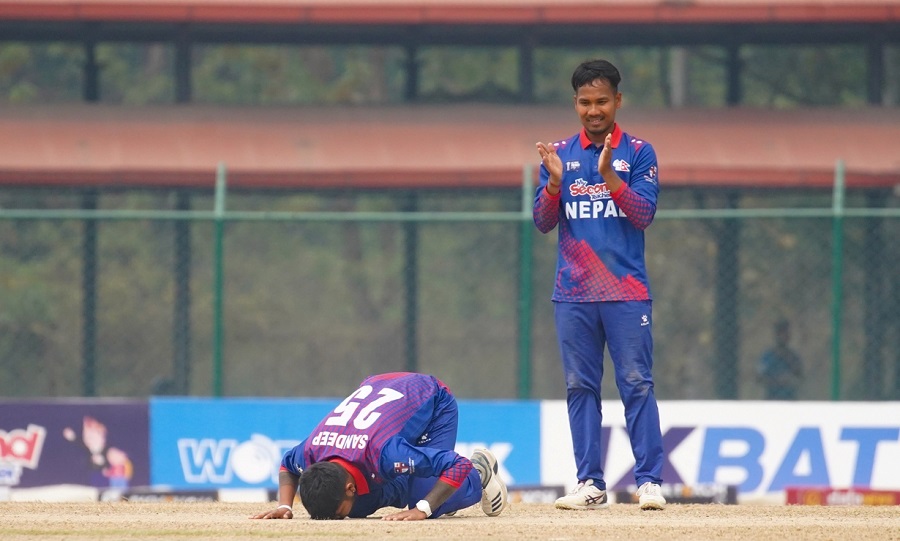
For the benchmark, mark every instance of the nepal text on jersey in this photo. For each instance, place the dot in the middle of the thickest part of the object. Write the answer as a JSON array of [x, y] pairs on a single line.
[[593, 209]]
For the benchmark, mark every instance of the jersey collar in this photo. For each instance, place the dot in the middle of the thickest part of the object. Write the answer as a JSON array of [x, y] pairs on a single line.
[[362, 486], [616, 137]]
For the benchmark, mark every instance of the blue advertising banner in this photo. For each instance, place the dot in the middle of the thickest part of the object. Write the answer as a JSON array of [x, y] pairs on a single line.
[[208, 443], [510, 429], [90, 442], [238, 443]]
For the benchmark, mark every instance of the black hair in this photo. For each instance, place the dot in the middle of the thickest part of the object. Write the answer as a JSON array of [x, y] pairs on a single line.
[[322, 488], [589, 71]]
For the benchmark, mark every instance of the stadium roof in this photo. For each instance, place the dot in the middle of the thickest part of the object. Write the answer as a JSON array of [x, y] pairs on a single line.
[[437, 146], [426, 146], [456, 11], [455, 21]]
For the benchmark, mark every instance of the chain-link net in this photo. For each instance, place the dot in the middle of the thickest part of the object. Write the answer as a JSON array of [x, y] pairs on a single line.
[[126, 305]]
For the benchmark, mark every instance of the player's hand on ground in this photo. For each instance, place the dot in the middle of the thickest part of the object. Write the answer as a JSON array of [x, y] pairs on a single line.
[[551, 160], [280, 512], [407, 514]]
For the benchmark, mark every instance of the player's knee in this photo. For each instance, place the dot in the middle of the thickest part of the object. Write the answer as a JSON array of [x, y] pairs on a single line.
[[636, 385], [576, 383]]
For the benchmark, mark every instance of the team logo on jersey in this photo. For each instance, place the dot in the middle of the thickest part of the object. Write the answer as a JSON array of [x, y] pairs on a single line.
[[621, 165], [650, 176], [595, 191], [573, 165], [645, 320], [401, 468]]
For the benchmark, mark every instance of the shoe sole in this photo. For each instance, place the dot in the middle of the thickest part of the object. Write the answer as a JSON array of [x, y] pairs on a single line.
[[652, 506], [496, 505]]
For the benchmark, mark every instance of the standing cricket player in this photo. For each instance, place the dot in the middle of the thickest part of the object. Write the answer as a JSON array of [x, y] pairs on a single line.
[[600, 187]]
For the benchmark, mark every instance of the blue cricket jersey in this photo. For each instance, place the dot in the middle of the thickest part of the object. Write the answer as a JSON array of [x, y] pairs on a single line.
[[380, 435], [601, 234]]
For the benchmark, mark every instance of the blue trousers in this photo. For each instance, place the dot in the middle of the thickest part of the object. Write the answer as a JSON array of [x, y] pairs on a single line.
[[583, 329], [443, 436]]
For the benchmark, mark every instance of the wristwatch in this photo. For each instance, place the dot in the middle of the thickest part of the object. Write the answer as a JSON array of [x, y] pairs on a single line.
[[424, 507]]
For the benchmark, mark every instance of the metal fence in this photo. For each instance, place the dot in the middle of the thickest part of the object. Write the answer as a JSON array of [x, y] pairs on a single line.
[[303, 294]]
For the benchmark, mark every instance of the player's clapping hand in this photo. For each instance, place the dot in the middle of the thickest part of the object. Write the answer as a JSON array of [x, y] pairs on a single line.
[[408, 514], [604, 165], [281, 512], [551, 160]]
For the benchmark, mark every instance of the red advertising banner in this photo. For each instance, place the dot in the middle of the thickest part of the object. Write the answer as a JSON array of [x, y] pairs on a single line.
[[842, 496], [96, 443]]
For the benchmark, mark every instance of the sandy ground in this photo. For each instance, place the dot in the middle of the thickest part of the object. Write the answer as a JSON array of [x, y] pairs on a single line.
[[215, 521]]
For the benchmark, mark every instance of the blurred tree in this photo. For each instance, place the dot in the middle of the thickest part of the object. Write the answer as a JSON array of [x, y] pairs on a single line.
[[132, 74], [272, 75], [787, 77], [40, 73], [136, 74], [456, 74]]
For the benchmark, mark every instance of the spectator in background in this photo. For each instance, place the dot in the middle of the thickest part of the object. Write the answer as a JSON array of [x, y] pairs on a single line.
[[780, 370]]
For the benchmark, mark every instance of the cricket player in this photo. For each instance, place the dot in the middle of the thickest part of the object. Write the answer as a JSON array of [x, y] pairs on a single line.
[[600, 187], [389, 444]]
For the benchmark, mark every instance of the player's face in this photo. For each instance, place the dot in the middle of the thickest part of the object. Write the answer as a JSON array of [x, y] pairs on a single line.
[[596, 105], [343, 510]]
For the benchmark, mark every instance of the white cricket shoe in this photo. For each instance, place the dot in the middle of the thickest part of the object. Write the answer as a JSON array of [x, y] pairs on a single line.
[[585, 496], [651, 497], [493, 489]]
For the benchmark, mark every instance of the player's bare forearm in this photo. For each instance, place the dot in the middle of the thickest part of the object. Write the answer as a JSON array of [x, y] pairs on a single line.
[[435, 498], [440, 493], [612, 180], [287, 487]]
